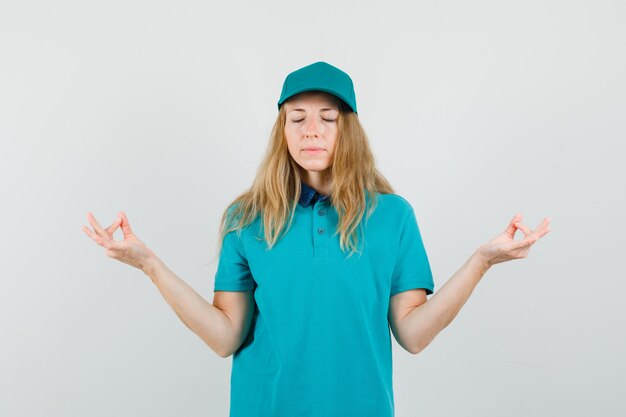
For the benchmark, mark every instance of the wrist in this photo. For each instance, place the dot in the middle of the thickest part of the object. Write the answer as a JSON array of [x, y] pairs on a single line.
[[150, 265], [481, 259]]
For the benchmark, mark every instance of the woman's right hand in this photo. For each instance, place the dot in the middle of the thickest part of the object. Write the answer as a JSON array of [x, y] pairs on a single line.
[[131, 250]]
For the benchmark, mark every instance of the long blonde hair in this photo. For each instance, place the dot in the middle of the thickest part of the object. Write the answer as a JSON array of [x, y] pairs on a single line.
[[276, 188]]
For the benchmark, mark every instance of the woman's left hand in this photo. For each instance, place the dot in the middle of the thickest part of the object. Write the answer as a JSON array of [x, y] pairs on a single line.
[[503, 248]]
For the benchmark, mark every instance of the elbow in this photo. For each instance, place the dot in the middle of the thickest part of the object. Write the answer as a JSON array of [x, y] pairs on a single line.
[[226, 351], [416, 350], [223, 353], [418, 347], [223, 347], [425, 339]]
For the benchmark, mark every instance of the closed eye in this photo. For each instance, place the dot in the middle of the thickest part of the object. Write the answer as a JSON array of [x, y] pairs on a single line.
[[326, 120]]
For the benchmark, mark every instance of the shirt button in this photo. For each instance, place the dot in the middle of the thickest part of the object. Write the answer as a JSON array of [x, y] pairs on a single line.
[[320, 230], [321, 212]]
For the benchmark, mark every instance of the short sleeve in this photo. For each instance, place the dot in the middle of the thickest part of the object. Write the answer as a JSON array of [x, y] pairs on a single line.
[[233, 272], [411, 269]]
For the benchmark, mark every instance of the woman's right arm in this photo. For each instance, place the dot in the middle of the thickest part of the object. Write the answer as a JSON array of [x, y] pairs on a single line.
[[212, 324], [222, 325]]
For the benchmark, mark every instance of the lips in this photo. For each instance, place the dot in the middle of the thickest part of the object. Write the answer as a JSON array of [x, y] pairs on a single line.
[[313, 149]]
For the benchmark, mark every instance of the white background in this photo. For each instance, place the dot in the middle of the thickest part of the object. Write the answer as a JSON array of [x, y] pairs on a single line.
[[163, 109]]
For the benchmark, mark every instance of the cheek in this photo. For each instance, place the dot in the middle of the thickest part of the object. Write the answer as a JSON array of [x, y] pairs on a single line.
[[291, 144], [288, 137], [333, 144]]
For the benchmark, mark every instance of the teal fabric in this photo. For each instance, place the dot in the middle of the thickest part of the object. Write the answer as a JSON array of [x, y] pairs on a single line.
[[320, 343], [319, 76]]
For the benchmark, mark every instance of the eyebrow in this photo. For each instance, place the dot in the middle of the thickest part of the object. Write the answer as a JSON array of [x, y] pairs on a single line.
[[324, 109]]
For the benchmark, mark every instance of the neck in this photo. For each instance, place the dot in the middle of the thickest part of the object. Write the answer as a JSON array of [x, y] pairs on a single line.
[[317, 181]]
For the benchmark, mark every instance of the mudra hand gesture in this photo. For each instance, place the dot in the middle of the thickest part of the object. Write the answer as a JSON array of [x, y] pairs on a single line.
[[130, 250], [503, 248]]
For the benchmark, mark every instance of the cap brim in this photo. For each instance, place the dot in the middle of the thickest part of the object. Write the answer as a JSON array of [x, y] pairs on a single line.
[[324, 89]]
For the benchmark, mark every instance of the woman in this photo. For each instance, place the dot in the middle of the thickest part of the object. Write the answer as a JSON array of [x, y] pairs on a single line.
[[318, 260]]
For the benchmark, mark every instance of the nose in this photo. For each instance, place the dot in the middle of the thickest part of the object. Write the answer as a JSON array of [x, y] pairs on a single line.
[[311, 128]]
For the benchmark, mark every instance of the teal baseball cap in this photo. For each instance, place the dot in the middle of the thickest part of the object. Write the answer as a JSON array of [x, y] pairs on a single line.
[[319, 76]]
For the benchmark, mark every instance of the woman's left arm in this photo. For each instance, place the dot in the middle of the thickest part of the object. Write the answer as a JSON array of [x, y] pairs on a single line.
[[423, 323]]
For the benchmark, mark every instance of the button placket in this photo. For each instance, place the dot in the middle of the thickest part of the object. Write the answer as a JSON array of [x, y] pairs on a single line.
[[320, 229]]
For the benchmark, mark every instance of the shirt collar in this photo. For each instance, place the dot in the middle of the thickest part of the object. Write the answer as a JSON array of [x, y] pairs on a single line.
[[309, 195]]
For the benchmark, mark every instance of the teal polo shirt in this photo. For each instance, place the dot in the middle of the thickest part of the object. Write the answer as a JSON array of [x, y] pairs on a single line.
[[320, 342]]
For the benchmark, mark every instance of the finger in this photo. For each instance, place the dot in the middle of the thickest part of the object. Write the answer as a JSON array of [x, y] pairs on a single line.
[[96, 226], [94, 236], [522, 243], [112, 244], [524, 229], [531, 236], [544, 227], [511, 228], [125, 225], [89, 233], [108, 244], [111, 229], [540, 231]]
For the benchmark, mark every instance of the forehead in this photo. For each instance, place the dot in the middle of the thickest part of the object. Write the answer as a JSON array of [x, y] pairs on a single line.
[[312, 98]]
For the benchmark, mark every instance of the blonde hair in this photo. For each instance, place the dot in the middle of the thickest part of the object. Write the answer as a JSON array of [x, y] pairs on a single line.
[[276, 188]]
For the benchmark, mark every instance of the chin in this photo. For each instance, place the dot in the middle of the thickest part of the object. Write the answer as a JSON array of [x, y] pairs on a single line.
[[317, 167]]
